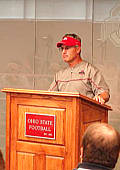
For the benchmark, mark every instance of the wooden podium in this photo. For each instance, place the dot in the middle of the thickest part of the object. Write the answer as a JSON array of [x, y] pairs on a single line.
[[44, 129]]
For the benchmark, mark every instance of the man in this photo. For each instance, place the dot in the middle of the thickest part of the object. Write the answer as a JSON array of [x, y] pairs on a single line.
[[80, 76], [100, 147]]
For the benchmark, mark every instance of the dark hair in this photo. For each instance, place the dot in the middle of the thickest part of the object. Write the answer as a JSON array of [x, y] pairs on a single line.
[[2, 162], [101, 145]]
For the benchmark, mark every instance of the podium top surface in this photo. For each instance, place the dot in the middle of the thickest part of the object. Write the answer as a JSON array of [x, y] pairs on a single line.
[[54, 93], [30, 91]]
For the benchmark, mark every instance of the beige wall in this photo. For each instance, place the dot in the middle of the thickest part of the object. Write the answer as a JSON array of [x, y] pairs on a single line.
[[106, 56], [29, 57]]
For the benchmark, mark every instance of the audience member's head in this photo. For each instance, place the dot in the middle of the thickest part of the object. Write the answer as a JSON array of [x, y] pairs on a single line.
[[101, 145]]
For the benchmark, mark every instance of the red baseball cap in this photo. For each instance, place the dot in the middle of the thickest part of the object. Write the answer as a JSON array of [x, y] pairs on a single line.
[[68, 41]]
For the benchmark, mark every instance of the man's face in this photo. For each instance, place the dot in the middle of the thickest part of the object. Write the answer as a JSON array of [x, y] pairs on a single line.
[[70, 53]]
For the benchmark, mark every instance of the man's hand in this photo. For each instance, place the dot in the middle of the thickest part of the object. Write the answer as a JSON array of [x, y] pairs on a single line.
[[99, 99], [103, 97]]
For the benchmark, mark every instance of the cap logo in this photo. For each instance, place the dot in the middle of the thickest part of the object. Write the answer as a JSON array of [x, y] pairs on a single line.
[[65, 38]]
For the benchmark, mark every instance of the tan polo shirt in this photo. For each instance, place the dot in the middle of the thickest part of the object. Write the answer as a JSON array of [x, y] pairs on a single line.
[[83, 78]]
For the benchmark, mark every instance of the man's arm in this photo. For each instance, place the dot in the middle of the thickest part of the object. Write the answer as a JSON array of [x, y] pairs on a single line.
[[54, 85]]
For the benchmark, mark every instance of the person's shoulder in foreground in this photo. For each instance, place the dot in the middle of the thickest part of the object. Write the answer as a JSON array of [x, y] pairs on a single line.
[[100, 147], [78, 77]]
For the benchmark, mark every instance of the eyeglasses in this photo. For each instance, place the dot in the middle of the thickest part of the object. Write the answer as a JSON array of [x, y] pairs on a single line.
[[66, 47]]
